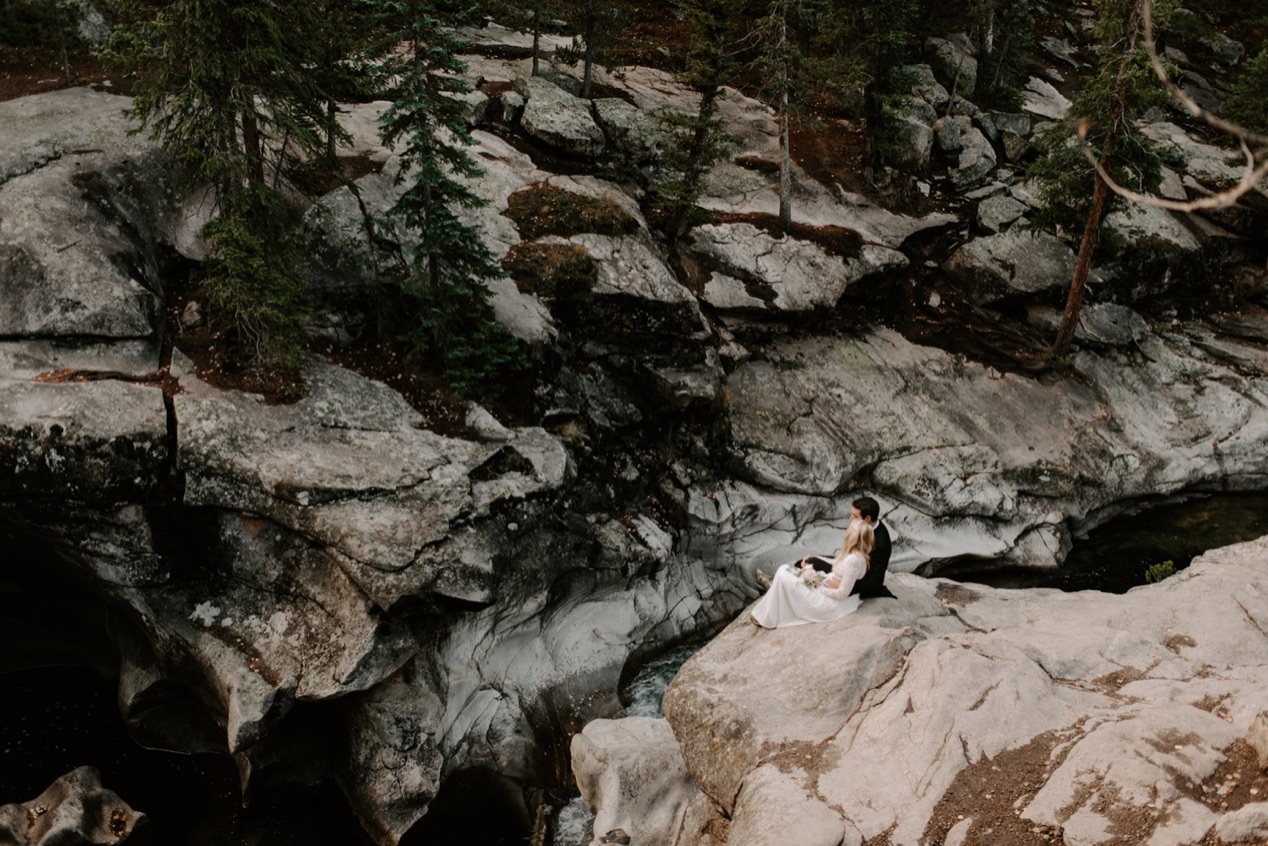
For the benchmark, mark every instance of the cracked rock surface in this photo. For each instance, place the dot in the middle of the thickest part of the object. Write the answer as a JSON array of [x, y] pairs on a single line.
[[1133, 701]]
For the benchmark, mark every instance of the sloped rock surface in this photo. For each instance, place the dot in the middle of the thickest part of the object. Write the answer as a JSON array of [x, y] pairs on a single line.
[[911, 692], [68, 263]]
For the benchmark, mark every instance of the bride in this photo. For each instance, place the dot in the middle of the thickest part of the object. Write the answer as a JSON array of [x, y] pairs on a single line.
[[797, 595]]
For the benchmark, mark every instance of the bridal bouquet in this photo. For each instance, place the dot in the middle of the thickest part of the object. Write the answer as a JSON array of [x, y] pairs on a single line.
[[812, 577]]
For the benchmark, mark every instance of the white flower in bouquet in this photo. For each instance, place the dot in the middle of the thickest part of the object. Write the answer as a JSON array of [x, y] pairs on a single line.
[[812, 577]]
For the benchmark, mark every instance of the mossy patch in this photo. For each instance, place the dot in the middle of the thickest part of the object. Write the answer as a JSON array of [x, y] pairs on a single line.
[[542, 209], [559, 271]]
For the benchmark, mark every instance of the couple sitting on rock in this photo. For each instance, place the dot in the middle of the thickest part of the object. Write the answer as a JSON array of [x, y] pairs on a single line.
[[819, 588]]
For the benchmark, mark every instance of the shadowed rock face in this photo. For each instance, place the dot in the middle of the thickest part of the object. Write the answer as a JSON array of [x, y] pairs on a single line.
[[1089, 712]]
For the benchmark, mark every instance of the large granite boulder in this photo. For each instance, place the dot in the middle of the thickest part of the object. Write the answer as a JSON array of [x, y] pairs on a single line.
[[558, 119], [996, 712], [953, 61], [70, 259], [1012, 263], [631, 775], [312, 468]]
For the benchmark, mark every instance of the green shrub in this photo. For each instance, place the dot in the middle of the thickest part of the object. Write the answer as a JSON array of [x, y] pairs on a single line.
[[250, 282], [39, 23], [1158, 572], [557, 271]]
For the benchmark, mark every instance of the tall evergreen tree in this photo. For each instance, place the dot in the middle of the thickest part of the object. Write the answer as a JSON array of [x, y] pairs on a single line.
[[866, 43], [778, 62], [530, 16], [222, 85], [600, 22], [443, 274], [1105, 111], [698, 141]]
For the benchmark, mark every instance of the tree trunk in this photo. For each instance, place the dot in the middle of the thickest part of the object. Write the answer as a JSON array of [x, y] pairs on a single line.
[[332, 120], [785, 158], [537, 37], [252, 147], [1083, 265], [1074, 300], [591, 26]]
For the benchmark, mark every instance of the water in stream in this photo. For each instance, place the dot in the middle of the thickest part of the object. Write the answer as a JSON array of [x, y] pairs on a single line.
[[1114, 556]]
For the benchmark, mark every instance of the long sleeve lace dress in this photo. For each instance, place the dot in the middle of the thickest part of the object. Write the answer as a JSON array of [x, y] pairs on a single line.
[[791, 602]]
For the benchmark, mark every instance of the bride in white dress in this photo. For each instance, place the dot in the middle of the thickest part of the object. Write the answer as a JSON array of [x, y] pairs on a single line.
[[792, 600]]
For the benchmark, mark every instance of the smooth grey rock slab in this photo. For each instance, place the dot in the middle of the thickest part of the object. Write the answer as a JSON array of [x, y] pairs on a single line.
[[631, 776], [1040, 98], [1013, 262], [780, 274], [558, 119], [947, 675]]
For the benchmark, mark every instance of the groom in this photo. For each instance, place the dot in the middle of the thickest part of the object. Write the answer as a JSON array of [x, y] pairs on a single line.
[[873, 584]]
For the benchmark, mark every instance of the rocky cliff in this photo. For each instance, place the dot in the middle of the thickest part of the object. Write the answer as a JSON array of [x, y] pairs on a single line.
[[962, 715]]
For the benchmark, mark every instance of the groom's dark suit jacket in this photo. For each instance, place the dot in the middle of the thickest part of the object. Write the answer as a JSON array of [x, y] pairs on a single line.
[[873, 584]]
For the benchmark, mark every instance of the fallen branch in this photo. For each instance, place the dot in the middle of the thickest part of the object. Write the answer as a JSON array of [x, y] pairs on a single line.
[[1251, 174]]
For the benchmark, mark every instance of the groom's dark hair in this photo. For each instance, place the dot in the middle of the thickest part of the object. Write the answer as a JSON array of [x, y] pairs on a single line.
[[868, 507]]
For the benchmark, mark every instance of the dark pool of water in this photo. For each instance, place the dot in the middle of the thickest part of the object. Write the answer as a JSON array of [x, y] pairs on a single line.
[[1115, 556]]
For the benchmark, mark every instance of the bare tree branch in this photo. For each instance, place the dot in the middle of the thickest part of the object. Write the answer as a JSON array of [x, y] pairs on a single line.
[[1251, 175]]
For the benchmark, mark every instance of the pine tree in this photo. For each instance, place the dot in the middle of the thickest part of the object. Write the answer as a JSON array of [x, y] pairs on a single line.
[[531, 16], [866, 43], [1105, 110], [698, 140], [778, 63], [222, 85], [600, 23], [1247, 103], [443, 274]]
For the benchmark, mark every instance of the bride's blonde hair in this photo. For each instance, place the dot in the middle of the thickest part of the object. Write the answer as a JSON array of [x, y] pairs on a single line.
[[859, 538]]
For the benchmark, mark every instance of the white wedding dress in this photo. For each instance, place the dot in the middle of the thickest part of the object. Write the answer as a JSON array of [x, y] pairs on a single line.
[[791, 602]]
